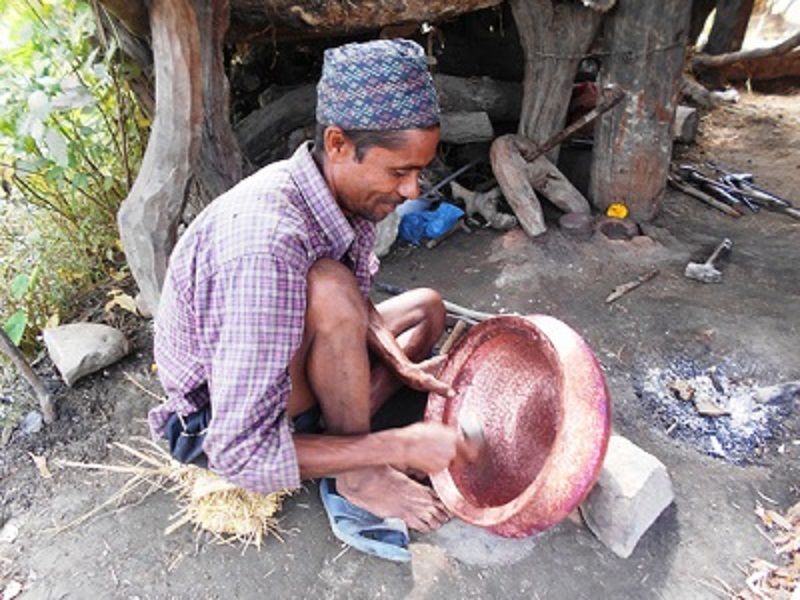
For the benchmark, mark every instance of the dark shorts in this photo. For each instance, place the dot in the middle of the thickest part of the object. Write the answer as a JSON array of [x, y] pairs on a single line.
[[186, 434]]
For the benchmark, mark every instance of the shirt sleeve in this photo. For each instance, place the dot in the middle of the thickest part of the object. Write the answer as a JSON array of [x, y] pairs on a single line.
[[256, 307]]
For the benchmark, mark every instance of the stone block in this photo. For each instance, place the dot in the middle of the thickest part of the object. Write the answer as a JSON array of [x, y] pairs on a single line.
[[78, 349], [685, 125], [631, 492]]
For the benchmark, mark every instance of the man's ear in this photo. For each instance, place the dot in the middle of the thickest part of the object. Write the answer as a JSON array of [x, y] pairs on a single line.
[[338, 146]]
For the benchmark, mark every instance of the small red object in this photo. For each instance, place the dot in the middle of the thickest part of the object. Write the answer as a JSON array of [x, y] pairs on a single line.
[[541, 397]]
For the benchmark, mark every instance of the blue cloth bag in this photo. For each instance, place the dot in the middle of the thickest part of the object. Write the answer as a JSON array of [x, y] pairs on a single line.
[[429, 224]]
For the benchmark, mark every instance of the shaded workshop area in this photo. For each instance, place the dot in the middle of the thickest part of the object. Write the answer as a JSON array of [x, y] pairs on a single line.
[[700, 358]]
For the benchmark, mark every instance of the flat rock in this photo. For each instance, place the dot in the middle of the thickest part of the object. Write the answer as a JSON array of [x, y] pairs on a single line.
[[78, 349], [632, 490]]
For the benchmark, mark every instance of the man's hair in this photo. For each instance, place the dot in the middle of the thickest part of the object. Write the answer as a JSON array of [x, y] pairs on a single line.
[[363, 140]]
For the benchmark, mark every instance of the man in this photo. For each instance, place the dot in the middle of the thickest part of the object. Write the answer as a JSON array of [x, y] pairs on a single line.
[[265, 322]]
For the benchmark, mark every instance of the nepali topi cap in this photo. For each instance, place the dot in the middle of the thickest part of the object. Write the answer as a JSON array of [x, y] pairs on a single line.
[[378, 85]]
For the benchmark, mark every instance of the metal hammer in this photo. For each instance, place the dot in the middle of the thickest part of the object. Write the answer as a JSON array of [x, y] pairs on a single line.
[[706, 272]]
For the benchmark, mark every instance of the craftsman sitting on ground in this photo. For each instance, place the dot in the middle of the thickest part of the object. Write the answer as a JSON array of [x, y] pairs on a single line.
[[265, 318]]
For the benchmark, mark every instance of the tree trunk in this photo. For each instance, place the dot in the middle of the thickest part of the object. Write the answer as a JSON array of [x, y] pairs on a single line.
[[220, 164], [149, 216], [555, 36], [633, 142], [730, 25]]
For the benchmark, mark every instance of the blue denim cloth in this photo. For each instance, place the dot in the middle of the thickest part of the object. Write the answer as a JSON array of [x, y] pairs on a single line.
[[186, 434]]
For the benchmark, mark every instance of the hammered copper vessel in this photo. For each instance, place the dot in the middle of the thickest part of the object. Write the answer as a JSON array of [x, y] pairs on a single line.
[[541, 397]]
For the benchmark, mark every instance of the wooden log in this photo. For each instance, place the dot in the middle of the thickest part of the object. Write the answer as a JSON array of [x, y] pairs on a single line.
[[520, 180], [549, 182], [149, 216], [708, 61], [510, 169], [258, 132], [764, 68], [293, 19], [501, 100], [633, 142], [466, 128], [555, 36]]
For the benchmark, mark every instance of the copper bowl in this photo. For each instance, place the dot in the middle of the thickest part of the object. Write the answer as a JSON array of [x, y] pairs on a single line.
[[540, 395]]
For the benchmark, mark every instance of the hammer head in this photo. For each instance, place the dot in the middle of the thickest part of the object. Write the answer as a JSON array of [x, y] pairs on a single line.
[[704, 272]]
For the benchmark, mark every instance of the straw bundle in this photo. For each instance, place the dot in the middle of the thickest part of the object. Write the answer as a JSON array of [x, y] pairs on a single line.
[[205, 501]]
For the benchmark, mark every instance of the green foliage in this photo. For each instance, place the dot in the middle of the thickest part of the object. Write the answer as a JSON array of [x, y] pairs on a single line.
[[71, 138]]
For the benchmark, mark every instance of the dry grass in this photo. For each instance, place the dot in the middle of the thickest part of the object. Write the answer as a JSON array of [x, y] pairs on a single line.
[[770, 581], [206, 502]]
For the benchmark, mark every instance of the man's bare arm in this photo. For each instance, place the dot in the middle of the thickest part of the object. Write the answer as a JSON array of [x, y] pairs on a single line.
[[388, 350], [426, 447]]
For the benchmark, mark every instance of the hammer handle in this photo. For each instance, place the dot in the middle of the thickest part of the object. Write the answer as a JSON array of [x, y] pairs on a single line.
[[725, 244]]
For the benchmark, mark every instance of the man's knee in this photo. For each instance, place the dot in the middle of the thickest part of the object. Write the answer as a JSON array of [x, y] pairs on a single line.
[[334, 298], [432, 306]]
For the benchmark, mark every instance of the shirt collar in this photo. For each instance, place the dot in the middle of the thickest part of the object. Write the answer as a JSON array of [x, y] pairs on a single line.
[[320, 201]]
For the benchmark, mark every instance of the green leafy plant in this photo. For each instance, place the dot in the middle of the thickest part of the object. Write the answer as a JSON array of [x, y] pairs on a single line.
[[71, 138]]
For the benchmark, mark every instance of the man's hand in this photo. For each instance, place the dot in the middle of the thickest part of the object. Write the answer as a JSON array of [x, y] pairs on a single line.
[[420, 376], [427, 447]]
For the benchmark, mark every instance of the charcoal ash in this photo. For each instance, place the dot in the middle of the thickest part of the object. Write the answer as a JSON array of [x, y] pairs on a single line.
[[750, 414]]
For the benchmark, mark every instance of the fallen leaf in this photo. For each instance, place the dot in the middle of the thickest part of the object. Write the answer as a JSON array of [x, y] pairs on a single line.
[[41, 464], [124, 301]]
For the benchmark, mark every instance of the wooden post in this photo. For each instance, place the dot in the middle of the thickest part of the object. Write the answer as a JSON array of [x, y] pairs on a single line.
[[633, 142], [149, 216], [555, 36]]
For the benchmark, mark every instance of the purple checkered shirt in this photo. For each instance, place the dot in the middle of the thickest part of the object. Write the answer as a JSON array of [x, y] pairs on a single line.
[[232, 309]]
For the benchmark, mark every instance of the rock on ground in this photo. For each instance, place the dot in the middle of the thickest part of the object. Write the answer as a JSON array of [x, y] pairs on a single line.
[[632, 490], [78, 349]]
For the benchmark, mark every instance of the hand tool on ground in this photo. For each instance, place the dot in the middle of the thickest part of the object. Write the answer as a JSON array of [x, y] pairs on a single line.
[[679, 184], [467, 314], [746, 184], [623, 289], [712, 187], [706, 271]]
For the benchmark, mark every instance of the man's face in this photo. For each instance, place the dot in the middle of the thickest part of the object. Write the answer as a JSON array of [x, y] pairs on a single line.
[[384, 178]]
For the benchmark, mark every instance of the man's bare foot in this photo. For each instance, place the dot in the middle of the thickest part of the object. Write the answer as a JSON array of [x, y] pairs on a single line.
[[386, 492]]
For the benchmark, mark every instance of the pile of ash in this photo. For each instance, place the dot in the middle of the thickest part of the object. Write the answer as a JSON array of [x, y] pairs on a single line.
[[714, 410]]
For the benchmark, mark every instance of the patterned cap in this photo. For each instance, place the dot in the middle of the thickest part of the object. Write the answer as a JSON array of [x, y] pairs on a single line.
[[378, 85]]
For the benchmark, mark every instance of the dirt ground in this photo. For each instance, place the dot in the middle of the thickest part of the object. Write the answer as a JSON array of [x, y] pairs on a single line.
[[747, 327]]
